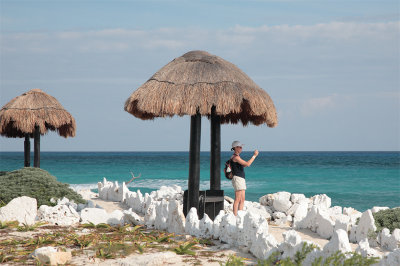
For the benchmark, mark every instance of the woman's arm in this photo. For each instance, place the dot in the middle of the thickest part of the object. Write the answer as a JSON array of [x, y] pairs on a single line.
[[243, 162]]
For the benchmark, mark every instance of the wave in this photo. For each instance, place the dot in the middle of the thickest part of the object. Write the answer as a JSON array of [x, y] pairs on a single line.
[[154, 184]]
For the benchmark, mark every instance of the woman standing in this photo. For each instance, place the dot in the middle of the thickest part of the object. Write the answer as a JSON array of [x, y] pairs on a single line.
[[238, 180]]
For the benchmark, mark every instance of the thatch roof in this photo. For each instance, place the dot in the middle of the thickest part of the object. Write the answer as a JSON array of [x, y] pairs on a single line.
[[197, 81], [35, 107]]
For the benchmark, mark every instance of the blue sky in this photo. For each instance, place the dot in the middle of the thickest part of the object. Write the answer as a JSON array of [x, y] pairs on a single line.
[[331, 68]]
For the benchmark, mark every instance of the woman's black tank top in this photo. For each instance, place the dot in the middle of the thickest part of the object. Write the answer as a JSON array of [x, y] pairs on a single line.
[[237, 169]]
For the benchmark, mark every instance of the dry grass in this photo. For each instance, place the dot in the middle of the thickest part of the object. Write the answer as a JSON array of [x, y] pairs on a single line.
[[103, 242]]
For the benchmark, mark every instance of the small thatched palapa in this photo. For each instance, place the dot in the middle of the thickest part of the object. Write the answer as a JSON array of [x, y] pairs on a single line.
[[197, 81], [21, 114]]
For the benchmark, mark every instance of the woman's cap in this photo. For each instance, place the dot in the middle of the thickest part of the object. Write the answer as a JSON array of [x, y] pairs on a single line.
[[236, 143]]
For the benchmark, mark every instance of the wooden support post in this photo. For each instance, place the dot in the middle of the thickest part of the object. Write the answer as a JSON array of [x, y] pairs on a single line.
[[27, 151], [194, 162], [215, 158], [36, 146]]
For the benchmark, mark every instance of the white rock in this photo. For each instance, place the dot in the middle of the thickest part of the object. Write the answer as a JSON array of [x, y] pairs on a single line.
[[352, 213], [291, 244], [300, 213], [176, 219], [278, 215], [309, 220], [325, 225], [42, 250], [267, 200], [365, 226], [295, 198], [281, 202], [160, 222], [150, 259], [192, 223], [390, 259], [339, 242], [228, 230], [318, 221], [343, 222], [396, 237], [22, 209], [321, 201], [216, 225], [62, 215], [254, 207], [364, 249], [251, 224], [55, 258], [352, 235], [292, 209], [132, 217], [206, 227], [112, 191], [97, 216], [335, 211], [228, 207], [264, 246], [150, 214], [50, 255], [168, 192], [390, 241], [240, 235], [377, 209], [283, 221], [136, 201]]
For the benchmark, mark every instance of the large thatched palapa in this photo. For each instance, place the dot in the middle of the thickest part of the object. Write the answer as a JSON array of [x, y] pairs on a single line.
[[32, 114], [198, 81], [200, 84]]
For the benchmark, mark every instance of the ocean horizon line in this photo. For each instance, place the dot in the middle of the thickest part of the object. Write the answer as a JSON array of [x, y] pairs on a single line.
[[271, 151]]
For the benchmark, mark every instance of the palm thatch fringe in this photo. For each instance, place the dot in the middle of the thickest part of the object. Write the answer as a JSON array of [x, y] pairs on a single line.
[[21, 114], [197, 81]]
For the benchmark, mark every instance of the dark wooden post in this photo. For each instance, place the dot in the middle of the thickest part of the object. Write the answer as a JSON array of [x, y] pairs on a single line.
[[215, 158], [27, 151], [36, 146], [194, 162]]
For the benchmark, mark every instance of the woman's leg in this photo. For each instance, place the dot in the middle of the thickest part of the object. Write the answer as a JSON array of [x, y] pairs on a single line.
[[236, 202], [242, 197]]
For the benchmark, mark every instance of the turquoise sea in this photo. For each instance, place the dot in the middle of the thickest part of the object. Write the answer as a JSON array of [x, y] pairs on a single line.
[[352, 179]]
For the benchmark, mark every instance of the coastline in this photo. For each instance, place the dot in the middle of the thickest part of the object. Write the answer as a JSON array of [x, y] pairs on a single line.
[[239, 236]]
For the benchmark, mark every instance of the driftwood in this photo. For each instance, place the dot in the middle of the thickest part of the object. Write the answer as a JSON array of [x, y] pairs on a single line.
[[133, 178]]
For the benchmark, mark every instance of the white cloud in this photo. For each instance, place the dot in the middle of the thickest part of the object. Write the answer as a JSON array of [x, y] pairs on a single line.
[[119, 39], [317, 105]]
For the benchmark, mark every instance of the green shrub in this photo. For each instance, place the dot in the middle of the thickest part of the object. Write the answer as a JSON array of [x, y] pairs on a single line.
[[35, 183], [389, 218], [338, 258]]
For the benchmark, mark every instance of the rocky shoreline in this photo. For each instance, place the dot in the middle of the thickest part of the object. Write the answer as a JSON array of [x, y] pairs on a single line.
[[255, 231]]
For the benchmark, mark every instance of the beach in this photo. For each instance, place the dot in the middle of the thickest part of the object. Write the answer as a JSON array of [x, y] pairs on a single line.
[[255, 234]]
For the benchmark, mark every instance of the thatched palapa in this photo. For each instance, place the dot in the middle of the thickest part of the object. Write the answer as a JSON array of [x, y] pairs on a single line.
[[197, 81], [32, 114], [21, 114], [200, 84]]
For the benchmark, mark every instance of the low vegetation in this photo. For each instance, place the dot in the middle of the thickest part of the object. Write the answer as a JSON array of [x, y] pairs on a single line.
[[35, 183], [110, 242], [389, 219], [103, 242], [338, 258]]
